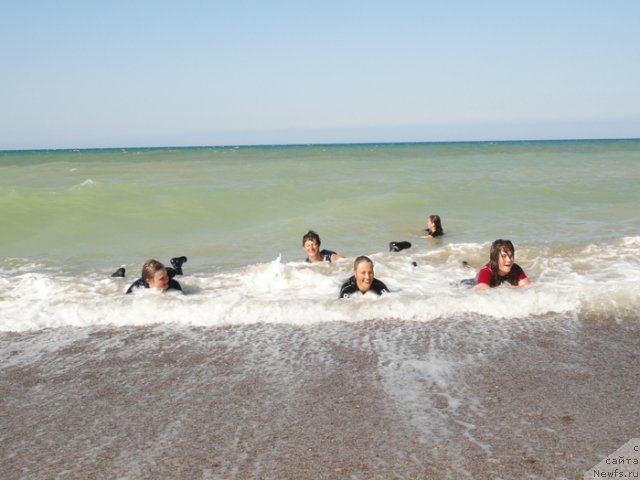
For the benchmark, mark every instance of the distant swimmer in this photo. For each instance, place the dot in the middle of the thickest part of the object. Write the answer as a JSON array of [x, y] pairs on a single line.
[[311, 245], [434, 227], [155, 276], [501, 268], [362, 280]]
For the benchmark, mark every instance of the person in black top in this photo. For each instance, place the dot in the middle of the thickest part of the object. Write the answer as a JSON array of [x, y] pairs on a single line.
[[434, 227], [362, 280], [311, 245], [155, 275]]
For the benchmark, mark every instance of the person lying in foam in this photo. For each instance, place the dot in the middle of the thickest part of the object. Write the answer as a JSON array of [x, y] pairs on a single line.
[[501, 268], [156, 276], [362, 280]]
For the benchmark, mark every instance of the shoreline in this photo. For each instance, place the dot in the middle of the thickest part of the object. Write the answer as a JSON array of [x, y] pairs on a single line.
[[536, 398]]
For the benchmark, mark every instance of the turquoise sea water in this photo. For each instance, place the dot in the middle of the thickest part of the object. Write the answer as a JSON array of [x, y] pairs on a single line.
[[83, 213], [233, 206]]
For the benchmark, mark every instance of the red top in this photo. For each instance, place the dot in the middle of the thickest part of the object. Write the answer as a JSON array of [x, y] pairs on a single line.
[[513, 277]]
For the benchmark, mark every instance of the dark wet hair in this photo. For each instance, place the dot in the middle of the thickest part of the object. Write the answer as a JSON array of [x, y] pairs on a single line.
[[438, 223], [497, 247], [311, 235], [359, 260]]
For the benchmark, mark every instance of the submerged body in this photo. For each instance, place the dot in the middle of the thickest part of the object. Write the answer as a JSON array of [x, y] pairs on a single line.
[[434, 227], [514, 277], [311, 244], [155, 276], [140, 283], [350, 287]]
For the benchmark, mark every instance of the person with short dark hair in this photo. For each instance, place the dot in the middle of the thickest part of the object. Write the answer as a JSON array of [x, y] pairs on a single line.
[[501, 268], [362, 280], [311, 245], [154, 275]]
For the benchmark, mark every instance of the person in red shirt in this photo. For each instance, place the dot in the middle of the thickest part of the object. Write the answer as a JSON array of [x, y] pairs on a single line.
[[501, 268]]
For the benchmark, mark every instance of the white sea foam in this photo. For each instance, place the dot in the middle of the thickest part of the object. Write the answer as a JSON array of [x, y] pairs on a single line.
[[587, 281], [87, 183]]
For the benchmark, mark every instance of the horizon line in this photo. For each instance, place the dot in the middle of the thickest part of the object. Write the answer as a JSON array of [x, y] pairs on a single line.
[[313, 144]]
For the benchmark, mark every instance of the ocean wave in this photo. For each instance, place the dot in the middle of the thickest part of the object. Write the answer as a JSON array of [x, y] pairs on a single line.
[[87, 183], [585, 281]]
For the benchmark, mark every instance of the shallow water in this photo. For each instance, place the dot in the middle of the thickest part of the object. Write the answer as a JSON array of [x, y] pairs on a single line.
[[454, 398]]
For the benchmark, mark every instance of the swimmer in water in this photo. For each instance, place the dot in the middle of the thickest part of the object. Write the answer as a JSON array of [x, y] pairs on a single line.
[[362, 280], [501, 268], [434, 227], [155, 275], [311, 245]]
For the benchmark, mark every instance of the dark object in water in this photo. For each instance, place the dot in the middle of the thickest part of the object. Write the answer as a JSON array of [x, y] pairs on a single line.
[[119, 272], [176, 263], [415, 264], [397, 246]]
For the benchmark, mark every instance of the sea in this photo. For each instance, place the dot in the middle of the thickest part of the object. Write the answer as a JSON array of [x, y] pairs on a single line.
[[259, 370]]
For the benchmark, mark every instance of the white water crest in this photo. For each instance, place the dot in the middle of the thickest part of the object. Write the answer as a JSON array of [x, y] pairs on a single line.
[[585, 280]]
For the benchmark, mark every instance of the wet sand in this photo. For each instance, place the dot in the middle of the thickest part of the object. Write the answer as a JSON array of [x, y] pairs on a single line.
[[536, 398]]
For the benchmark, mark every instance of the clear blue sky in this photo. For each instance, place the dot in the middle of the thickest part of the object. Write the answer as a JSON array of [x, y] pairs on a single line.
[[130, 73]]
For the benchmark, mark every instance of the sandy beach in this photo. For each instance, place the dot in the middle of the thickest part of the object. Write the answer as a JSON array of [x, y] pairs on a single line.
[[447, 399]]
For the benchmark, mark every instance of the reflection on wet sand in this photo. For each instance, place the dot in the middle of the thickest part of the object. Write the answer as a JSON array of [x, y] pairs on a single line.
[[542, 398]]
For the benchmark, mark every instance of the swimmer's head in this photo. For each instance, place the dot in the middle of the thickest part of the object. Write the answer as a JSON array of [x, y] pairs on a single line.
[[311, 236], [501, 256], [363, 272], [155, 274], [435, 224], [359, 260]]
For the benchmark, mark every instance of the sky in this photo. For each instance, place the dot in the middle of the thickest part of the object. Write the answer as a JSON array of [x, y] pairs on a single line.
[[89, 74]]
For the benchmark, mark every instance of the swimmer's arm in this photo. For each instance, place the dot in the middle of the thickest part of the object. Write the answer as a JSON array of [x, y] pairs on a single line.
[[481, 286], [483, 279], [425, 233], [335, 257], [523, 281]]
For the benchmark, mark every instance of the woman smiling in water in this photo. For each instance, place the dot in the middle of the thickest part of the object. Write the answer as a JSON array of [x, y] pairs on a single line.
[[362, 279]]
